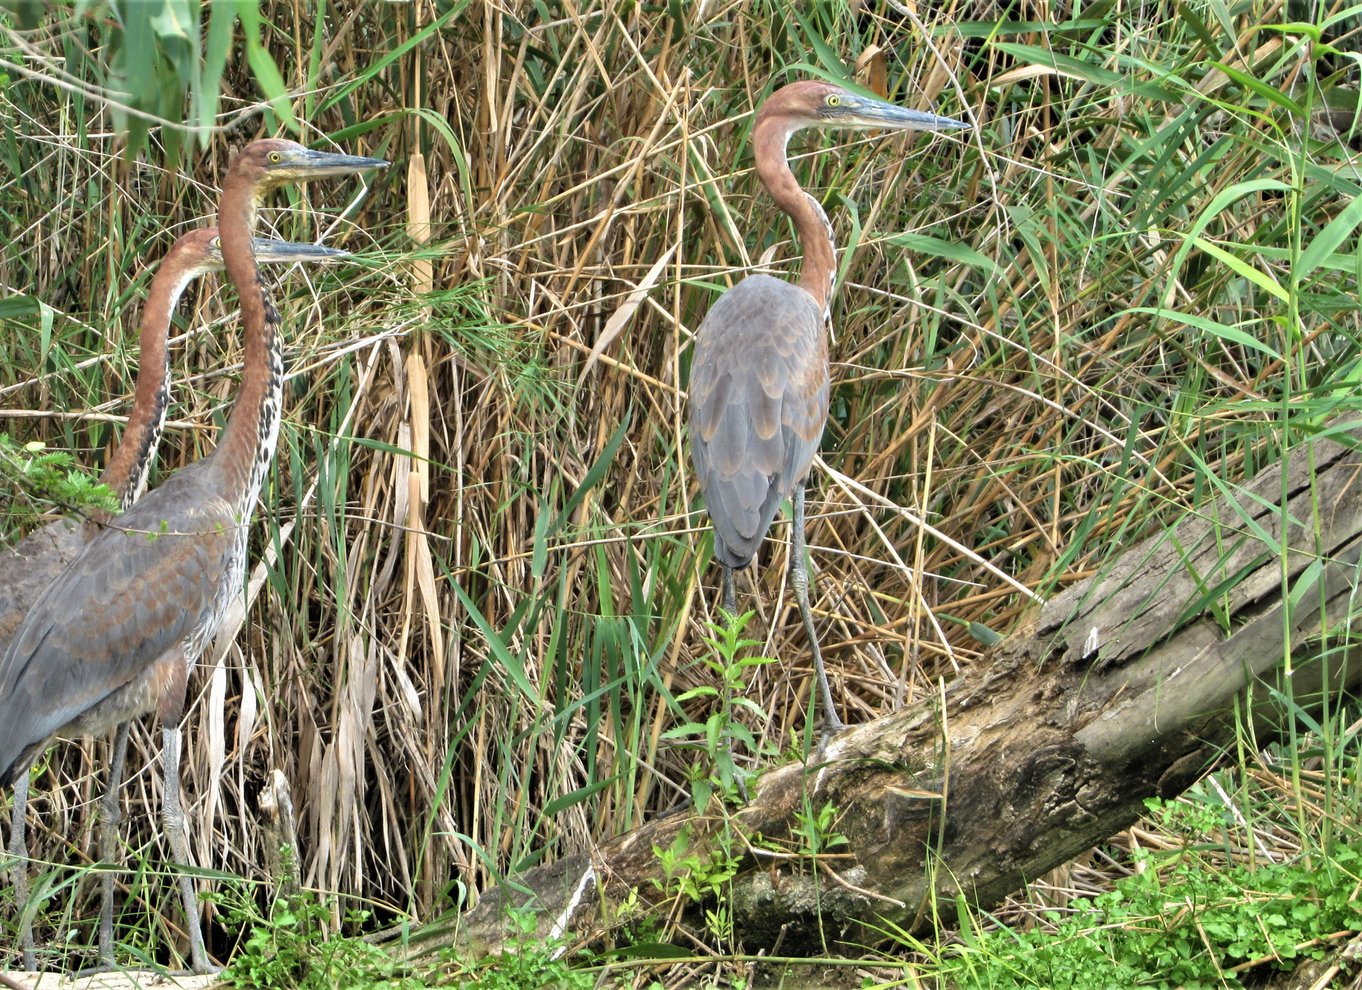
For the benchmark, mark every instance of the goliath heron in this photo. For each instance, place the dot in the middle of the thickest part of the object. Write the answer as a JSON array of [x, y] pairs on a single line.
[[759, 375], [26, 569], [116, 634]]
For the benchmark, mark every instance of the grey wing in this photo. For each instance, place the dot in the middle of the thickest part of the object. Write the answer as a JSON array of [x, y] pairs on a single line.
[[29, 566], [136, 592], [758, 403]]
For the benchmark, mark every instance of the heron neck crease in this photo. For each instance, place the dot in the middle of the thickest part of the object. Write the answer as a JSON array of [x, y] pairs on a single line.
[[770, 138]]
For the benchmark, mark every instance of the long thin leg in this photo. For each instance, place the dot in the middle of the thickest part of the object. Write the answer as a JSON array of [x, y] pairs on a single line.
[[173, 818], [18, 849], [799, 577], [730, 597], [108, 843]]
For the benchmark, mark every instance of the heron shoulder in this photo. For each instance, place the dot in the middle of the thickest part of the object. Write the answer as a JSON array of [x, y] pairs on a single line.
[[760, 304]]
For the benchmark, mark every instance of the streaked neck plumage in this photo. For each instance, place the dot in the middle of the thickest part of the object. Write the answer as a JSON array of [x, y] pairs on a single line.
[[243, 455], [129, 464]]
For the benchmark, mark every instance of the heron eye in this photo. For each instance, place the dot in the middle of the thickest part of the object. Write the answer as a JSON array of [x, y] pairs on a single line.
[[834, 100], [275, 157]]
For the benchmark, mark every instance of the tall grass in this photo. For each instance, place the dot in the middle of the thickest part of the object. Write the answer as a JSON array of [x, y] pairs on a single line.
[[484, 574]]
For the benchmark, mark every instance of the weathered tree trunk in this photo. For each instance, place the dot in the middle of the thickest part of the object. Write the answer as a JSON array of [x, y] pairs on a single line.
[[1122, 688]]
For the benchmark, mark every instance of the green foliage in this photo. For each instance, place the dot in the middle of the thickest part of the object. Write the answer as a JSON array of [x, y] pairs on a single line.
[[1174, 924], [527, 964], [51, 476], [731, 663], [690, 875], [162, 63], [287, 951], [701, 878], [816, 829]]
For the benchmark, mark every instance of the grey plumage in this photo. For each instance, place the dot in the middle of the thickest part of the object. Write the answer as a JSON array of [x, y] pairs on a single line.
[[758, 401]]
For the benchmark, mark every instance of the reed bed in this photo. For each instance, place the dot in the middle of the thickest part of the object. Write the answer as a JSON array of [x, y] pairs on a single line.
[[483, 571]]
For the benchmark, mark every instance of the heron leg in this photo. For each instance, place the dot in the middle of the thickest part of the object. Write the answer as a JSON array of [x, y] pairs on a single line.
[[108, 842], [173, 818], [730, 597], [18, 850], [799, 577]]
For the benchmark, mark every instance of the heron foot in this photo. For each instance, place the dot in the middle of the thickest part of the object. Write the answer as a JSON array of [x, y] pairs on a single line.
[[206, 969], [105, 965], [832, 728]]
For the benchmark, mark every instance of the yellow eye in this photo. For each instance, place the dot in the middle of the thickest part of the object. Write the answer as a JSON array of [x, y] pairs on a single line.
[[275, 157], [834, 100]]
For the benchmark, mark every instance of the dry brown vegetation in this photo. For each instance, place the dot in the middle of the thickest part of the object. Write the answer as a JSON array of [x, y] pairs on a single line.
[[484, 571]]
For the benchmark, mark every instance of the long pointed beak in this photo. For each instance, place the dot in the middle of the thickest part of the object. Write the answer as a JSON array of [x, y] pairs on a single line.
[[310, 164], [286, 252], [861, 111]]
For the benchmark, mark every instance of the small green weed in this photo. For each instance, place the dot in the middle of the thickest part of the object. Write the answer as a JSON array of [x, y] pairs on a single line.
[[688, 874], [527, 964], [51, 476], [287, 950], [718, 733], [815, 829], [530, 966]]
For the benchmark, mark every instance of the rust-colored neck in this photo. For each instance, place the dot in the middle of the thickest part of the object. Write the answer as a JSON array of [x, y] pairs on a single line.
[[126, 472], [770, 136], [247, 445]]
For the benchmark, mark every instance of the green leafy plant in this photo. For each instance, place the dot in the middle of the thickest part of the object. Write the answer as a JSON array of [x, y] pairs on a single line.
[[731, 664], [528, 963], [815, 829], [687, 874], [701, 878], [51, 476], [288, 950], [1179, 926]]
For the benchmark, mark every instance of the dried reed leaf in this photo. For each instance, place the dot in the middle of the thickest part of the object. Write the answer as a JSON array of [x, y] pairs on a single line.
[[418, 221], [621, 317]]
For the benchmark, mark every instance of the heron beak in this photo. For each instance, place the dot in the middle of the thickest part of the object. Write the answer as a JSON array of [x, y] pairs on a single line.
[[285, 252], [861, 111], [310, 164]]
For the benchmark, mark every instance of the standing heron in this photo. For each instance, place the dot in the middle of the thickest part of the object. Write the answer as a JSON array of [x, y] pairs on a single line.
[[26, 569], [759, 375], [29, 566], [117, 633]]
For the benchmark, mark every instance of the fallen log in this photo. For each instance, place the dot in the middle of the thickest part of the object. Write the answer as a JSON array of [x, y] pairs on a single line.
[[1126, 686]]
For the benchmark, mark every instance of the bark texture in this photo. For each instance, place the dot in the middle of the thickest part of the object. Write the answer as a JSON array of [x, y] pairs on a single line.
[[1122, 687]]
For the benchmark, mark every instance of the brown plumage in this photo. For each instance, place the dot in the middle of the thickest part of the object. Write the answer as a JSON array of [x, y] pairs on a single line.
[[759, 376], [116, 634]]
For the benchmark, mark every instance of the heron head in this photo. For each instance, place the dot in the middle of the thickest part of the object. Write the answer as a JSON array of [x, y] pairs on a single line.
[[198, 252], [813, 103], [274, 161]]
